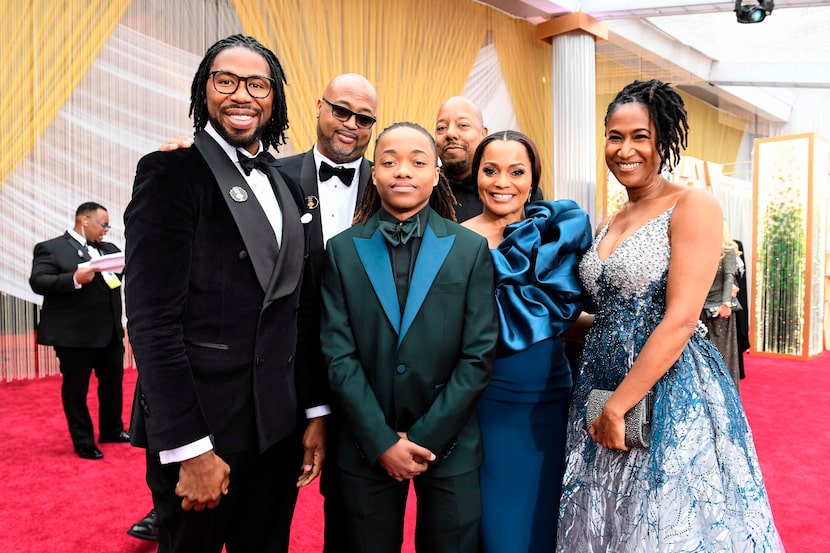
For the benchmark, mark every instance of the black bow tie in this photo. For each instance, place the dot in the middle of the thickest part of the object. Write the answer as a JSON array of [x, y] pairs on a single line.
[[399, 232], [262, 161], [345, 174]]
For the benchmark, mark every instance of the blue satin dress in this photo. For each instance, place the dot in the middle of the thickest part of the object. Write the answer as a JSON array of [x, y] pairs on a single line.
[[523, 411]]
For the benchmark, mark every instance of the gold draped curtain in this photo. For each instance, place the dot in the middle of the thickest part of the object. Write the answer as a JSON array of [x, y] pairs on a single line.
[[50, 45], [414, 66], [47, 48], [415, 52]]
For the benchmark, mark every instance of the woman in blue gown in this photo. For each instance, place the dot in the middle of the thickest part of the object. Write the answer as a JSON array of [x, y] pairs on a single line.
[[523, 411], [697, 487]]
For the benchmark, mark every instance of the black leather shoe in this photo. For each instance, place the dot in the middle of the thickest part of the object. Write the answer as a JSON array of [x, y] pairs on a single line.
[[89, 452], [121, 437], [147, 528]]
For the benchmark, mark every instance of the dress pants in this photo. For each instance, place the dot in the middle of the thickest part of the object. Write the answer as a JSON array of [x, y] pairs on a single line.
[[335, 531], [76, 366], [255, 515], [448, 514]]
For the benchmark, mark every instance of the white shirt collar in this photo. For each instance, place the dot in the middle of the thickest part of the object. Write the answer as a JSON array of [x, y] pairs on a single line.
[[81, 240]]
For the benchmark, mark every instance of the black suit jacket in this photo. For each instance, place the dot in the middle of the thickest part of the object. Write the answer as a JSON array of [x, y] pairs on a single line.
[[70, 317], [212, 306], [302, 169]]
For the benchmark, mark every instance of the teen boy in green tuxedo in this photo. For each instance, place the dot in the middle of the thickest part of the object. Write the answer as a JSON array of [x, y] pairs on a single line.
[[409, 330]]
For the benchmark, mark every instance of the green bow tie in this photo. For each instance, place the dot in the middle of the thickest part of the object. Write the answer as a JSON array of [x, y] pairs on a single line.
[[399, 232]]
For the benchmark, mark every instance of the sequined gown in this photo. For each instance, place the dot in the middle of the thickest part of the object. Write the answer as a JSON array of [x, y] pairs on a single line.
[[698, 487], [524, 410]]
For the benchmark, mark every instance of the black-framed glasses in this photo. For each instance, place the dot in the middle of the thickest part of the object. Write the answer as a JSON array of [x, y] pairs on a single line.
[[342, 113], [225, 82], [105, 226]]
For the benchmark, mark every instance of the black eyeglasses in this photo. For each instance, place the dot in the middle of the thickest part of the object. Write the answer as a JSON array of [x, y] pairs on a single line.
[[342, 113], [225, 82], [105, 226]]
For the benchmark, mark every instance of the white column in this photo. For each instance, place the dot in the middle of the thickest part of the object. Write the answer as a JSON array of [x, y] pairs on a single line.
[[573, 38], [574, 119]]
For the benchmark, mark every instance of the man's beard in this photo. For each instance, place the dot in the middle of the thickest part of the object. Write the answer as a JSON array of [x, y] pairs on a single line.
[[454, 168], [337, 154], [238, 141]]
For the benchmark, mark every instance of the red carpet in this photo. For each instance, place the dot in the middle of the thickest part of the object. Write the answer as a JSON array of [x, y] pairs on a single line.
[[53, 501]]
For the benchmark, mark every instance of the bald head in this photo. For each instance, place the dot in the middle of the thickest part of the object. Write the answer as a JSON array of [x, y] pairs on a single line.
[[344, 141], [459, 129]]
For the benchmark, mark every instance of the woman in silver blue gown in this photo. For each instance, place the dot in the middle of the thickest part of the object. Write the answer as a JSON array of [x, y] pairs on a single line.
[[523, 411], [698, 486]]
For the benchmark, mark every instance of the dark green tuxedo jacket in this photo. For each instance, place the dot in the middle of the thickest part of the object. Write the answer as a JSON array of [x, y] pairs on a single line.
[[420, 371]]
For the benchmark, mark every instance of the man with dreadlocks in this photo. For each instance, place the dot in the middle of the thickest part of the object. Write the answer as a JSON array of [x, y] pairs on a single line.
[[224, 400], [696, 485]]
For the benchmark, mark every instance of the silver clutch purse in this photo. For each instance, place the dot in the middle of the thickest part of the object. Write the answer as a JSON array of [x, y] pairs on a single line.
[[637, 419]]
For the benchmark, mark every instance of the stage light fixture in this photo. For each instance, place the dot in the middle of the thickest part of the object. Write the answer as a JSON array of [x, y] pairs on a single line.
[[753, 14]]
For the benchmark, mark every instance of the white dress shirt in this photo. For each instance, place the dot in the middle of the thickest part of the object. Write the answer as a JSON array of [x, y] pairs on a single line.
[[337, 201]]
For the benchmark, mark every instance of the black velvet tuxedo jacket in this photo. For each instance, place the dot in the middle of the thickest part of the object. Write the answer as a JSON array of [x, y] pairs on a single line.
[[302, 169], [78, 318], [213, 306], [419, 371]]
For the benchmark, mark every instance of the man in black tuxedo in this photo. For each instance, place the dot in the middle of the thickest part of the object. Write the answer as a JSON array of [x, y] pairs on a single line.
[[81, 318], [333, 175], [227, 406]]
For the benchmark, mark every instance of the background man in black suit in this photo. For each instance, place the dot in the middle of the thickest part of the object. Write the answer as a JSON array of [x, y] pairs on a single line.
[[81, 318], [216, 254], [345, 117]]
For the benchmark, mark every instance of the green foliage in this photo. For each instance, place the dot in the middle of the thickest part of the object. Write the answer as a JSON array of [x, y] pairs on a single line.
[[781, 269]]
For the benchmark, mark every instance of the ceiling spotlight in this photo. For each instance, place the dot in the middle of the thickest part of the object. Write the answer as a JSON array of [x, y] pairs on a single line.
[[753, 14]]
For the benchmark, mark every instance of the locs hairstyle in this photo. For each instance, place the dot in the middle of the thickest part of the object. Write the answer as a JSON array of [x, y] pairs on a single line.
[[668, 114], [524, 140], [442, 200], [274, 133]]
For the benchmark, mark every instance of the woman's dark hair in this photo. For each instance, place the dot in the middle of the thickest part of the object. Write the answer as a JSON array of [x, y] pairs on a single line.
[[274, 132], [524, 140], [668, 114], [442, 200]]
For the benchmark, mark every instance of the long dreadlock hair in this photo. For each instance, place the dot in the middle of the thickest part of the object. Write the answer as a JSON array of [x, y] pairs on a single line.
[[442, 200], [668, 114], [274, 132]]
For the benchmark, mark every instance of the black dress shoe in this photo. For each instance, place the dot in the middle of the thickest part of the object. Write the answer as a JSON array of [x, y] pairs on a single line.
[[89, 452], [147, 528], [121, 437]]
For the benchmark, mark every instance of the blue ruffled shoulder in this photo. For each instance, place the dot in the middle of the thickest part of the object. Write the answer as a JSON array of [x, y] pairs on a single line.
[[537, 286]]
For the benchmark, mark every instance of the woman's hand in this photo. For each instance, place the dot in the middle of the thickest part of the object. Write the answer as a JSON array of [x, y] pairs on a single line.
[[724, 311], [608, 430]]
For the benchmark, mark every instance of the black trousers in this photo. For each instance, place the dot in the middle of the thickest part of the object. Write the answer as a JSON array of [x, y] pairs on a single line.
[[335, 531], [447, 521], [255, 516], [76, 366]]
